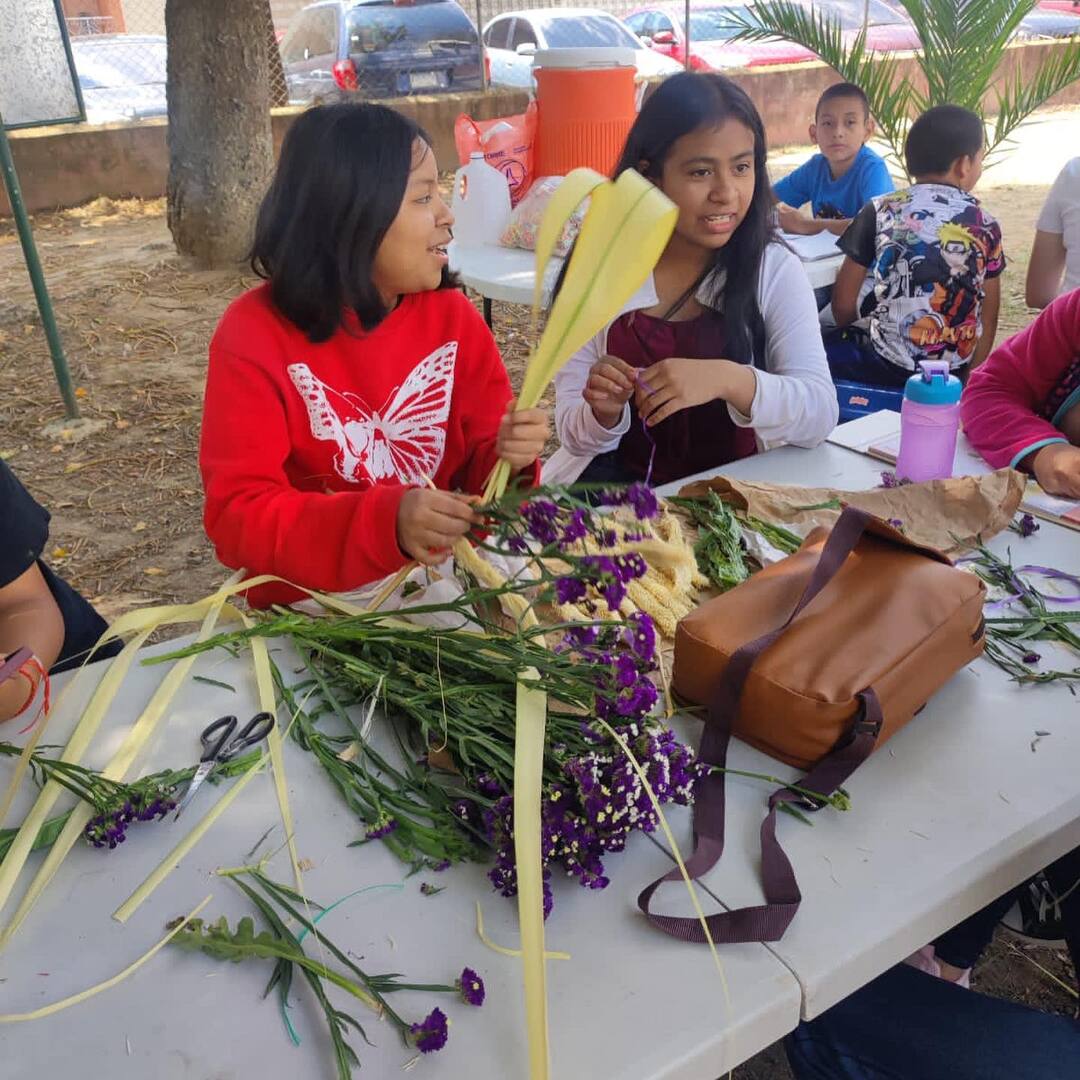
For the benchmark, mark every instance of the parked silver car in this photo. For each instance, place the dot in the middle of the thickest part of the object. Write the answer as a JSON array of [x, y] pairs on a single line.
[[512, 39], [122, 76]]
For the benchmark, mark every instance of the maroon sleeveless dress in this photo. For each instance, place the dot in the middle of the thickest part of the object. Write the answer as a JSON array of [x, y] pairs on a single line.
[[692, 440]]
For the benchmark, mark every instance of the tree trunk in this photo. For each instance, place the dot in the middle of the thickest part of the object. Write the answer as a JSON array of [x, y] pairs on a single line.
[[221, 151], [279, 90]]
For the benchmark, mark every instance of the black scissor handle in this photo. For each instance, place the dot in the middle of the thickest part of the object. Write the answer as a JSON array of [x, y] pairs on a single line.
[[255, 730], [212, 746]]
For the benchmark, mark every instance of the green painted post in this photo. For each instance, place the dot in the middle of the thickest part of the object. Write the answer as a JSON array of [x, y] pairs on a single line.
[[37, 277]]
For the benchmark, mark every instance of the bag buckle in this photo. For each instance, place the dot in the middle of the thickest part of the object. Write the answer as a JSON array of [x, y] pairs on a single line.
[[862, 726]]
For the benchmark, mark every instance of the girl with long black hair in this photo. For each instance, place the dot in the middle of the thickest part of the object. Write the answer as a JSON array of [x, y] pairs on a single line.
[[719, 354], [355, 402]]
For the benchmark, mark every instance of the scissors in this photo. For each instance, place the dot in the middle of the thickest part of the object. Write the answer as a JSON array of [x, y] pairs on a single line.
[[221, 741]]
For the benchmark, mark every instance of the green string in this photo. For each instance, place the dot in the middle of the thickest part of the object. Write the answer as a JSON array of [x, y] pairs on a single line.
[[303, 933]]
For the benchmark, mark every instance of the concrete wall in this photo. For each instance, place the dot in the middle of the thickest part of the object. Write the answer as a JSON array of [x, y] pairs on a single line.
[[65, 166]]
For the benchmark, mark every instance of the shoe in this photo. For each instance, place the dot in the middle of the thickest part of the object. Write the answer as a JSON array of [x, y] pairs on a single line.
[[926, 960], [1036, 916]]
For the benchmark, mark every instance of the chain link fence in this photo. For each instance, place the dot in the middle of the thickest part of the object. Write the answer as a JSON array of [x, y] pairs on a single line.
[[380, 48]]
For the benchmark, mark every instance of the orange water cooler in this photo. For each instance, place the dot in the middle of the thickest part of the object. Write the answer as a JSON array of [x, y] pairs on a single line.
[[587, 102]]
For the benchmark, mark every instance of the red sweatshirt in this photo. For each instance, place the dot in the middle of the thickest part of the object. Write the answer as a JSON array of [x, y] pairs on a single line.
[[1014, 403], [307, 449]]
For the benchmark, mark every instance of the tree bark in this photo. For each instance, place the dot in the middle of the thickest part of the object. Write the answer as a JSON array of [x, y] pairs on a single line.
[[221, 151]]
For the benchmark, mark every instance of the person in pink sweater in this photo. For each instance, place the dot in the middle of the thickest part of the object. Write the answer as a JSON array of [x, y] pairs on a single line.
[[1022, 407]]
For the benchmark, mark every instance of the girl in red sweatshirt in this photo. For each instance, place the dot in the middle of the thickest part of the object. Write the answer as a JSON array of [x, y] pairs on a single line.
[[357, 375], [1022, 407]]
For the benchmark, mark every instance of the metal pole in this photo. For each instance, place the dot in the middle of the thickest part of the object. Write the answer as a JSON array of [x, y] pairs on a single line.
[[686, 34], [483, 49], [37, 277]]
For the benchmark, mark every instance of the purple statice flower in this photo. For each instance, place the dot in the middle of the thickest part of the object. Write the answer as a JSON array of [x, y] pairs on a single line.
[[486, 784], [640, 497], [576, 528], [614, 593], [640, 636], [604, 574], [896, 523], [109, 827], [106, 830], [643, 500], [384, 826], [629, 567], [889, 479], [1027, 525], [441, 865], [431, 1033], [471, 986], [1031, 658], [569, 590], [581, 637], [541, 517], [608, 538], [517, 544], [638, 700]]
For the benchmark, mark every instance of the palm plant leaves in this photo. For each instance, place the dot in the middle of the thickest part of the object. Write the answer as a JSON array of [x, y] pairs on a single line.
[[963, 46]]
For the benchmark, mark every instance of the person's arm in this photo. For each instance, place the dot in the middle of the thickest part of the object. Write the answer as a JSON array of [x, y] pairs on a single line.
[[845, 293], [580, 432], [988, 315], [483, 397], [795, 400], [1046, 268], [794, 189], [1048, 254], [796, 222], [1001, 402], [28, 616], [858, 245]]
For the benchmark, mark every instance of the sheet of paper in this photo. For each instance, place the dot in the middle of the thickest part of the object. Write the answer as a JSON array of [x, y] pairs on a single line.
[[821, 245]]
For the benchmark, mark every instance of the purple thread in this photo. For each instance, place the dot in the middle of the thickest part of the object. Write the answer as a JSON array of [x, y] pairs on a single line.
[[648, 434]]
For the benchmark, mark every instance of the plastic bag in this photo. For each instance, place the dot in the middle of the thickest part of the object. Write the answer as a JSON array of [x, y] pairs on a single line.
[[525, 220], [506, 143]]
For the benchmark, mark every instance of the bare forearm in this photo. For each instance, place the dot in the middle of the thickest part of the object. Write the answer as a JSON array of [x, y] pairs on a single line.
[[738, 386]]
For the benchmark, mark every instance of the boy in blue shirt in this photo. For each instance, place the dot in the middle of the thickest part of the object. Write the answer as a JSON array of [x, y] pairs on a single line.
[[840, 180]]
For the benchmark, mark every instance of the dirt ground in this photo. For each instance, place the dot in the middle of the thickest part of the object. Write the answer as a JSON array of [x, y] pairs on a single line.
[[126, 501]]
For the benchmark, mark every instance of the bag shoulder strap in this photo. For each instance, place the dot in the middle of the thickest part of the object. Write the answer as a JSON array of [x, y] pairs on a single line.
[[768, 921]]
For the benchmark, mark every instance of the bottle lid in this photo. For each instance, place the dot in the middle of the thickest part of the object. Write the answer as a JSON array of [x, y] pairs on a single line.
[[933, 385]]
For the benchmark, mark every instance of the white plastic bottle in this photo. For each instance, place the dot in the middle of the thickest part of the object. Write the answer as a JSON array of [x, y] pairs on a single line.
[[481, 203]]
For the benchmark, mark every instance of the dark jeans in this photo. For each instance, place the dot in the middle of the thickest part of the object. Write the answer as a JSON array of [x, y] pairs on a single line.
[[606, 469], [907, 1025], [963, 944], [852, 358]]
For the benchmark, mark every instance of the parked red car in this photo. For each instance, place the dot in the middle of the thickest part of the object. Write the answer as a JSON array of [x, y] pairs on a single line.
[[886, 31], [711, 47], [1070, 7]]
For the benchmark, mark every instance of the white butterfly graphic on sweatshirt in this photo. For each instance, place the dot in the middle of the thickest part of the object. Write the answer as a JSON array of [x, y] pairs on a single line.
[[404, 440]]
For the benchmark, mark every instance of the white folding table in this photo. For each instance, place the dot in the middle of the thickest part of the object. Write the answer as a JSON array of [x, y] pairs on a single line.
[[630, 1004], [961, 805], [509, 274]]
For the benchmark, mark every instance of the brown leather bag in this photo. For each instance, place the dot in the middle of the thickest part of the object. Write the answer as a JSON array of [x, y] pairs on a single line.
[[816, 660]]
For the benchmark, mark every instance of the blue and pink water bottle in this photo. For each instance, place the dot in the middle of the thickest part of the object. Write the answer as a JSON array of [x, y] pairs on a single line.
[[929, 423]]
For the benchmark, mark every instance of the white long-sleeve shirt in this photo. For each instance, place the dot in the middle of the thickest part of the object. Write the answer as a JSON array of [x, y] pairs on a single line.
[[795, 401]]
